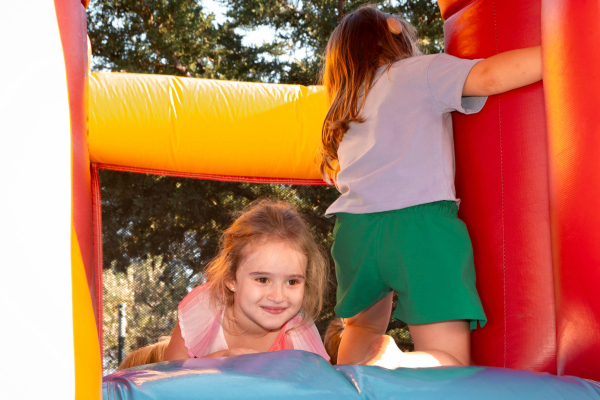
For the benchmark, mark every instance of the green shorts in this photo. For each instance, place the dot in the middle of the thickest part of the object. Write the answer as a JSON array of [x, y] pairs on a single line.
[[423, 253]]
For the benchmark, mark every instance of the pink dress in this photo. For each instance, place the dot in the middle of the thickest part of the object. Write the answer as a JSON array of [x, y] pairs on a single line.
[[202, 329]]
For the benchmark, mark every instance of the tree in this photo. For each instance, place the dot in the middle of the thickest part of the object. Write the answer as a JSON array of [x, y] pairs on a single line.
[[308, 24], [174, 38], [178, 37], [182, 218]]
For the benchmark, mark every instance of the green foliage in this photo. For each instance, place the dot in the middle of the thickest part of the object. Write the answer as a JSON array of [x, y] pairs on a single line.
[[178, 37], [307, 25], [425, 15], [182, 218], [174, 38]]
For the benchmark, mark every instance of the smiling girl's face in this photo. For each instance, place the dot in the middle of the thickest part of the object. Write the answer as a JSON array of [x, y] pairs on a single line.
[[269, 286]]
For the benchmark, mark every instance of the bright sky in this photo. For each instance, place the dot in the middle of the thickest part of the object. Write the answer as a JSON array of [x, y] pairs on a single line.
[[251, 37], [257, 37]]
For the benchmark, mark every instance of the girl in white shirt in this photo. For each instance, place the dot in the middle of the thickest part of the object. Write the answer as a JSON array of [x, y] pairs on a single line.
[[387, 144]]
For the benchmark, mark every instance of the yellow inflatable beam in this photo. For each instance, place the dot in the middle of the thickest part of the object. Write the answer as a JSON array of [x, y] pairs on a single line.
[[201, 126]]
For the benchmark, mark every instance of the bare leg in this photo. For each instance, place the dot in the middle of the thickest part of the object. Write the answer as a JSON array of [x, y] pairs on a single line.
[[436, 344], [384, 353], [363, 329]]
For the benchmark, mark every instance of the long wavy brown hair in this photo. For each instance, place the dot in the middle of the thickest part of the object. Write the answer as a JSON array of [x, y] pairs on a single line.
[[261, 221], [358, 46]]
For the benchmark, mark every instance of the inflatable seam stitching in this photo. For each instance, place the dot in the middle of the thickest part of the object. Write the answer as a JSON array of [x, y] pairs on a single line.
[[501, 194]]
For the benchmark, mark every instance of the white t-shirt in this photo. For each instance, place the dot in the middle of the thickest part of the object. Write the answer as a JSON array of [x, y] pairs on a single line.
[[403, 154]]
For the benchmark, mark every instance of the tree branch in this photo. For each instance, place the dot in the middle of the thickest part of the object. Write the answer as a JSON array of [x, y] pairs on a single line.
[[180, 67], [432, 17], [340, 9], [287, 5]]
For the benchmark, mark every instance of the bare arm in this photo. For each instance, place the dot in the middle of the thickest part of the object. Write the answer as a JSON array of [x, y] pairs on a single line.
[[505, 71], [176, 349]]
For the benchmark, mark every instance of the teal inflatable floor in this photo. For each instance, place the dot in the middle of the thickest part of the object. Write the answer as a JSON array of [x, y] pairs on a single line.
[[296, 374]]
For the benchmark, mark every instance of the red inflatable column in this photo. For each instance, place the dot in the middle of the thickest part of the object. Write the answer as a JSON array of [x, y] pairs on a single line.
[[87, 326], [72, 23], [502, 179], [571, 36]]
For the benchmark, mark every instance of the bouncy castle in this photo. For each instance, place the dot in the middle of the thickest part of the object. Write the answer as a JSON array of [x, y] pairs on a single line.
[[527, 171]]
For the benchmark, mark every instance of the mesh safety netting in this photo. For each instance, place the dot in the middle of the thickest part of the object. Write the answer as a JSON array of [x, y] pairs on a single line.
[[159, 233]]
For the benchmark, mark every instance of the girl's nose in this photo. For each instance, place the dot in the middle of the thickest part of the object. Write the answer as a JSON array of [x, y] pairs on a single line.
[[276, 294]]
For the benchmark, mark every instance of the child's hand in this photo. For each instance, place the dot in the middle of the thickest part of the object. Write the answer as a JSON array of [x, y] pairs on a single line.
[[231, 353], [239, 352]]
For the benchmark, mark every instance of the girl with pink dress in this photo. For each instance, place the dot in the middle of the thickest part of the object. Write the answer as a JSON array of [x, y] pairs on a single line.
[[262, 291]]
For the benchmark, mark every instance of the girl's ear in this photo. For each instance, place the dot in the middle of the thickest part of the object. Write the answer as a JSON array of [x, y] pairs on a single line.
[[230, 285], [394, 25]]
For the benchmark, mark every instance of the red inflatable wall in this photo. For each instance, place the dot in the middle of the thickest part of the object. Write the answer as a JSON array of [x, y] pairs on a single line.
[[570, 37], [502, 178], [71, 16], [537, 262]]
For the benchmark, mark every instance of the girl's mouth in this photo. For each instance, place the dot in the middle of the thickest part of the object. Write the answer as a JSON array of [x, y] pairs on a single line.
[[273, 310]]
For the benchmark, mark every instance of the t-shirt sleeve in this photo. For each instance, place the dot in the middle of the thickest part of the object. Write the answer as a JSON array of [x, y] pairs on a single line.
[[446, 76]]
